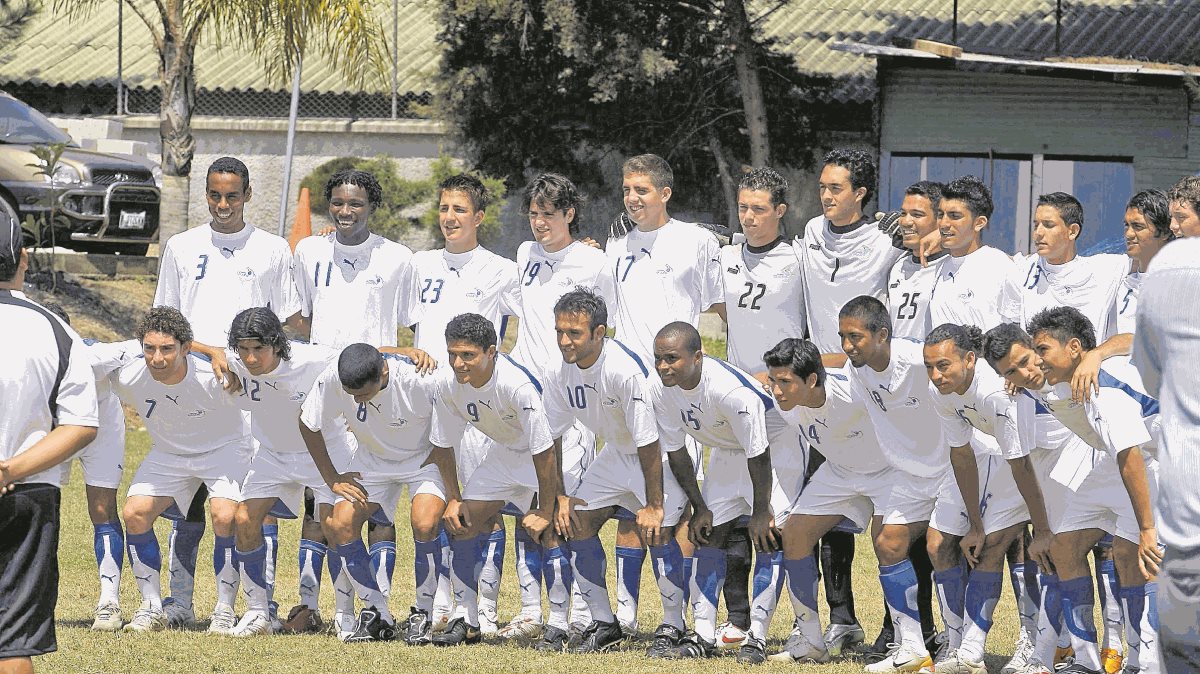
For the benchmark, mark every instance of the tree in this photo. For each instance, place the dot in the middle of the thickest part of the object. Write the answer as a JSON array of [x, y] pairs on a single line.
[[567, 84], [279, 32], [14, 15]]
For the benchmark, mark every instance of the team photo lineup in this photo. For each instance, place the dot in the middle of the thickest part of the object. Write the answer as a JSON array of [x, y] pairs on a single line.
[[990, 423]]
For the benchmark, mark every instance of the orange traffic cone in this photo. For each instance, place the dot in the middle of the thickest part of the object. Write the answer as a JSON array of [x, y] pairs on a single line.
[[302, 225]]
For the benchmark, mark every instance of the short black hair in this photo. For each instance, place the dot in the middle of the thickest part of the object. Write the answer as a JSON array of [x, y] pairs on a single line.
[[8, 268], [998, 342], [359, 178], [801, 355], [1064, 324], [684, 331], [230, 165], [1069, 208], [1155, 207], [972, 192], [870, 311], [559, 192], [651, 165], [168, 321], [965, 337], [863, 172], [1186, 191], [584, 301], [360, 364], [469, 185], [262, 324], [768, 180], [930, 189], [473, 329]]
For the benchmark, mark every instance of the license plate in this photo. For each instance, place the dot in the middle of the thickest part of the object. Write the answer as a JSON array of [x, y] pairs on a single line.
[[131, 220]]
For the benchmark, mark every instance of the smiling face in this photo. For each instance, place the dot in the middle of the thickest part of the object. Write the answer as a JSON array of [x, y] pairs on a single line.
[[760, 220], [471, 364], [259, 358], [841, 203], [959, 227], [1185, 221], [350, 208], [1022, 367], [165, 357], [790, 389], [1054, 238], [551, 228], [645, 203], [676, 366], [227, 197], [580, 345], [1141, 242], [861, 345], [459, 221], [1058, 359], [917, 219], [950, 370]]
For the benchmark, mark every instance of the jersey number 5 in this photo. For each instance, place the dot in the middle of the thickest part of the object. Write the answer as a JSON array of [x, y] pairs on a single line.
[[690, 419]]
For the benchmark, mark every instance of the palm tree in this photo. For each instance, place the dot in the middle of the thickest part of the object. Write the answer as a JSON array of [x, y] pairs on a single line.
[[278, 32]]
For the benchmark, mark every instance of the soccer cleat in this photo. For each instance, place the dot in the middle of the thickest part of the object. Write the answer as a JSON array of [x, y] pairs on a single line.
[[343, 625], [799, 648], [1076, 668], [273, 614], [418, 629], [957, 664], [693, 646], [252, 624], [487, 624], [522, 627], [902, 660], [600, 637], [178, 615], [303, 620], [1111, 660], [147, 620], [842, 638], [730, 637], [554, 640], [884, 644], [666, 638], [937, 645], [222, 620], [458, 633], [1034, 666], [1063, 655], [107, 618], [441, 620], [371, 627], [1021, 658], [752, 652]]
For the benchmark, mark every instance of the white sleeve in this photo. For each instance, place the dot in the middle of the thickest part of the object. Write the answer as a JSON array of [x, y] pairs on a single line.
[[319, 401], [409, 310], [958, 431], [746, 415], [670, 428], [1119, 422], [1003, 410], [1009, 305], [304, 297], [534, 422], [167, 292], [1145, 355], [558, 412], [639, 412], [446, 426], [108, 357], [76, 401], [712, 290], [285, 300]]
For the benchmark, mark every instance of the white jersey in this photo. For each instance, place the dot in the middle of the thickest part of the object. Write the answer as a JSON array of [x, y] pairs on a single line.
[[476, 282], [1127, 298], [211, 277], [984, 417], [670, 274], [1120, 416], [108, 357], [613, 398], [274, 399], [508, 409], [839, 264], [968, 289], [393, 425], [545, 277], [1090, 284], [195, 416], [727, 411], [909, 289], [356, 294], [841, 428], [45, 380], [764, 301], [902, 411]]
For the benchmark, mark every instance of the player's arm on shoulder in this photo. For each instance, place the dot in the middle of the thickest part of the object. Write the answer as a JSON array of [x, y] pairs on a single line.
[[1086, 381], [219, 360], [422, 361]]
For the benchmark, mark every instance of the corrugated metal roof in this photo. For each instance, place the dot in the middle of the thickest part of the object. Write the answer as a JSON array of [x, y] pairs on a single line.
[[53, 50]]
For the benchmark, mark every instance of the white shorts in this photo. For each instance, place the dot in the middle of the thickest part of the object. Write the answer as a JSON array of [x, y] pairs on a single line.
[[103, 459], [578, 453], [1055, 494], [936, 500], [729, 493], [284, 475], [1000, 502], [178, 476], [505, 475], [470, 452], [834, 490], [385, 480], [1102, 502], [789, 457], [615, 479]]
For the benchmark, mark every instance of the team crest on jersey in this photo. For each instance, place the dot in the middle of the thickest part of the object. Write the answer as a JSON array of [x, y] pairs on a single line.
[[566, 282], [246, 273], [509, 417], [298, 396], [912, 402], [610, 401], [894, 284], [666, 269], [854, 434], [967, 295], [399, 423], [196, 414], [376, 281], [474, 294], [718, 423]]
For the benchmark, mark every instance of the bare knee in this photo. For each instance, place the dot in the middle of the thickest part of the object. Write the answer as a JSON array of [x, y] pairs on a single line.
[[891, 545], [942, 548]]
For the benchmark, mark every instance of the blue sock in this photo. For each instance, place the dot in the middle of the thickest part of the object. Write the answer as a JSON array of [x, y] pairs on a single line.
[[766, 587], [556, 572], [1078, 600], [802, 579], [184, 548], [312, 560], [982, 595], [707, 582], [491, 556], [899, 582], [629, 584], [426, 556], [109, 543], [688, 563], [145, 562], [672, 583], [590, 566], [383, 564], [1141, 627], [951, 588], [225, 566], [270, 534], [527, 562], [465, 566], [357, 564], [253, 574]]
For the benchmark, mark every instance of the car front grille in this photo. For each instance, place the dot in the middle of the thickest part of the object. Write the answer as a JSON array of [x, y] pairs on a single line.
[[111, 176]]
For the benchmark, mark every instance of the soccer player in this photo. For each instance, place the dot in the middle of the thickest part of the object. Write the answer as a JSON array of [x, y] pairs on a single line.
[[1113, 486], [465, 277], [910, 283], [664, 270], [1185, 207], [197, 438], [49, 395], [725, 409], [604, 385], [853, 483], [494, 394], [763, 299], [389, 407], [1147, 230]]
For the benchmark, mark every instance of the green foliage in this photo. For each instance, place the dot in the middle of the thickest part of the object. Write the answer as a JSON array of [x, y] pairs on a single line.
[[49, 159], [443, 168]]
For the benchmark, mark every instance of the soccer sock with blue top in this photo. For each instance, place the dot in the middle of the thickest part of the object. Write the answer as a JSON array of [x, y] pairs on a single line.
[[629, 584], [556, 572], [1140, 604], [983, 592], [343, 587], [383, 565], [426, 557], [183, 548], [590, 566], [356, 564], [899, 582], [109, 543], [312, 561], [1109, 590], [951, 586], [491, 551], [667, 560], [465, 566], [145, 562], [270, 534], [707, 580], [802, 578], [443, 597], [765, 587], [528, 565], [1025, 592], [1078, 600], [252, 565], [225, 568]]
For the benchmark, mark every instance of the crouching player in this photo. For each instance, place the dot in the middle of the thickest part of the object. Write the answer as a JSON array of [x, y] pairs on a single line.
[[388, 406], [604, 385]]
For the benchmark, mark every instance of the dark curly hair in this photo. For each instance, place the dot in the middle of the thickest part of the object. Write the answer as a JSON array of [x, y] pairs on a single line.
[[168, 321], [558, 192], [358, 178], [469, 185], [472, 329], [800, 355], [1064, 324], [863, 172], [262, 324]]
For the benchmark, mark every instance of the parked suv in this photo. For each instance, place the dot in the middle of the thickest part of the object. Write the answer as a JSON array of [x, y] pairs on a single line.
[[105, 203]]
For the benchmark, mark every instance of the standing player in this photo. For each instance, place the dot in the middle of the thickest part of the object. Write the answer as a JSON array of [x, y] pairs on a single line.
[[197, 437], [388, 405], [723, 408], [50, 399], [494, 394], [910, 283], [209, 274], [1147, 230], [604, 385], [1185, 207]]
